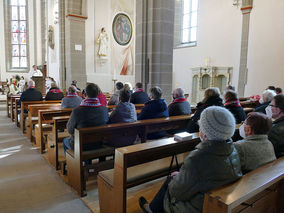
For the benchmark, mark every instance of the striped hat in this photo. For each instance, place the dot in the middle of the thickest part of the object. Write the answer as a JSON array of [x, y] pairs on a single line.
[[217, 123]]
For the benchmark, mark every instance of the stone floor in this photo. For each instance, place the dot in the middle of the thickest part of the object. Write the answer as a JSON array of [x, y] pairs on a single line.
[[27, 182]]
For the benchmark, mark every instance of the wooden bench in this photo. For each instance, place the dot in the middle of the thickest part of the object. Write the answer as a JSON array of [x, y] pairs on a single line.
[[33, 116], [56, 137], [261, 190], [9, 104], [14, 99], [249, 104], [24, 108], [44, 125], [17, 111], [127, 172], [98, 134]]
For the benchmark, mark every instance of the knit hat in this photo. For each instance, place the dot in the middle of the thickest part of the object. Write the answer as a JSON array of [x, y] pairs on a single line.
[[217, 123]]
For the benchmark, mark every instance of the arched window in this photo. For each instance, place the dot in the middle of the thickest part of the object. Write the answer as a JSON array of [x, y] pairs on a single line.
[[189, 21], [221, 82], [16, 28], [205, 81]]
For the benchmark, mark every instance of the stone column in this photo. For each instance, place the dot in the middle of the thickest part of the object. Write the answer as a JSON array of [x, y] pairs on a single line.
[[75, 50], [246, 9], [154, 44]]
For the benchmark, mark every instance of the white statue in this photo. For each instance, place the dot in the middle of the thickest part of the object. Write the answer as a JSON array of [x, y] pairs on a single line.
[[102, 40]]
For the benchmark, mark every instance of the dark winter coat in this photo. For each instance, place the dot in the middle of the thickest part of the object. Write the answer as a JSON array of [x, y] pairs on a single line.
[[238, 113], [31, 94], [212, 101], [276, 136], [54, 94], [139, 98], [154, 109]]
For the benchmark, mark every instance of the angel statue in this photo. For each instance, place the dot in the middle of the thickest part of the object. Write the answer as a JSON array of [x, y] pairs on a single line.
[[102, 41]]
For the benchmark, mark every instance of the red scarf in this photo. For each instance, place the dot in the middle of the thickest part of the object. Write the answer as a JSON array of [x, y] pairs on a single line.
[[235, 102], [139, 90], [91, 102], [55, 91], [71, 95], [31, 87], [179, 100]]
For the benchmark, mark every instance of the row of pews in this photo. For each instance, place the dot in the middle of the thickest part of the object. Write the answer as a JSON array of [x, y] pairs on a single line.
[[44, 123]]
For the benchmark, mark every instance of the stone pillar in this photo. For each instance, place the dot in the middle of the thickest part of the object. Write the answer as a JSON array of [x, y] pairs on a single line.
[[154, 44], [246, 9], [75, 50]]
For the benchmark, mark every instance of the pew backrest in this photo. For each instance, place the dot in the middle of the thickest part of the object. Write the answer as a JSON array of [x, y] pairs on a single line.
[[251, 191]]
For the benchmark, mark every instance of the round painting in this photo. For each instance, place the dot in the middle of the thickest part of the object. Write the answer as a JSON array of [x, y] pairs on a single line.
[[122, 29]]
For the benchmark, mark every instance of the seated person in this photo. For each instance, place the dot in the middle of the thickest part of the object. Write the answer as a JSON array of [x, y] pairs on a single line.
[[265, 100], [179, 106], [114, 98], [255, 149], [232, 103], [124, 112], [54, 93], [276, 134], [139, 96], [211, 98], [155, 108], [102, 98], [71, 100], [31, 93], [128, 86], [214, 163], [90, 113]]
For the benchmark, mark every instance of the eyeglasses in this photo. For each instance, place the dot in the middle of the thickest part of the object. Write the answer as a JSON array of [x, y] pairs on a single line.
[[272, 105], [243, 122]]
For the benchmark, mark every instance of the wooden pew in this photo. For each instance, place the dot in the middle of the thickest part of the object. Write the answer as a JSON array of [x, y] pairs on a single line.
[[13, 106], [9, 104], [33, 115], [109, 132], [127, 172], [261, 190], [24, 107], [16, 112], [59, 123], [249, 104], [45, 121]]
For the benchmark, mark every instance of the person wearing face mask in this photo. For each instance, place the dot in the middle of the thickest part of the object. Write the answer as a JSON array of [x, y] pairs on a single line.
[[255, 149], [276, 134], [265, 100], [214, 163]]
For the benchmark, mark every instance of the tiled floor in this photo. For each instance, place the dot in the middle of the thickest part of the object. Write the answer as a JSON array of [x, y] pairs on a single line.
[[27, 182]]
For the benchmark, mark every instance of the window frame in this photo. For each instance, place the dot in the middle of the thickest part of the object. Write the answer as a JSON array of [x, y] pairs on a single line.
[[188, 43], [8, 37]]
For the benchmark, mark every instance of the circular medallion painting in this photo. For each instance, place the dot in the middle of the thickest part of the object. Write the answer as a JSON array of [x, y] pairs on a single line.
[[122, 29]]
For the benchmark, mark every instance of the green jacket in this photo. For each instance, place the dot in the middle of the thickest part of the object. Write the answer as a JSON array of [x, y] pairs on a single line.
[[276, 136], [211, 165]]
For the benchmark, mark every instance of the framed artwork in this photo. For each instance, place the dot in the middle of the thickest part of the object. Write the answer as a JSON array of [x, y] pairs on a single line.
[[122, 29]]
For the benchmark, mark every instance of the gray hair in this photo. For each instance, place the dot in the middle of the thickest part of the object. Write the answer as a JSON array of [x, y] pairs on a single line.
[[178, 92], [156, 92], [268, 95]]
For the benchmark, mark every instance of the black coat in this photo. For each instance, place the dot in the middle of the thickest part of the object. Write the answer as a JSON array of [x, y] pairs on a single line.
[[192, 124], [276, 136], [261, 107], [179, 108], [238, 113], [139, 98], [54, 94], [83, 116], [31, 94]]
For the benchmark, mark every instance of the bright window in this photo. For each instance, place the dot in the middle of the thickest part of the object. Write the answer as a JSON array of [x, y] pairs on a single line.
[[189, 21], [18, 30]]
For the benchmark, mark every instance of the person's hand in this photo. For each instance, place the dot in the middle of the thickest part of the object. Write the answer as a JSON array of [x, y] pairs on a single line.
[[174, 173]]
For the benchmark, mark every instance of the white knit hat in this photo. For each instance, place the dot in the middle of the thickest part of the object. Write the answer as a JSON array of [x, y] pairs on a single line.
[[217, 123]]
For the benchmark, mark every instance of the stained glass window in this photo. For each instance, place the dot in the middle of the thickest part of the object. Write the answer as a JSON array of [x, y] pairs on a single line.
[[18, 21], [189, 21]]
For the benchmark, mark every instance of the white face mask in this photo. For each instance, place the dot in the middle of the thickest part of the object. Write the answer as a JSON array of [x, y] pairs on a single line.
[[242, 131], [268, 111], [261, 101]]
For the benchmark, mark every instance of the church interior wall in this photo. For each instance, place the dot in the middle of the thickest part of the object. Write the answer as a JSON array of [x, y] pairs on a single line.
[[219, 40], [266, 46], [101, 14]]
